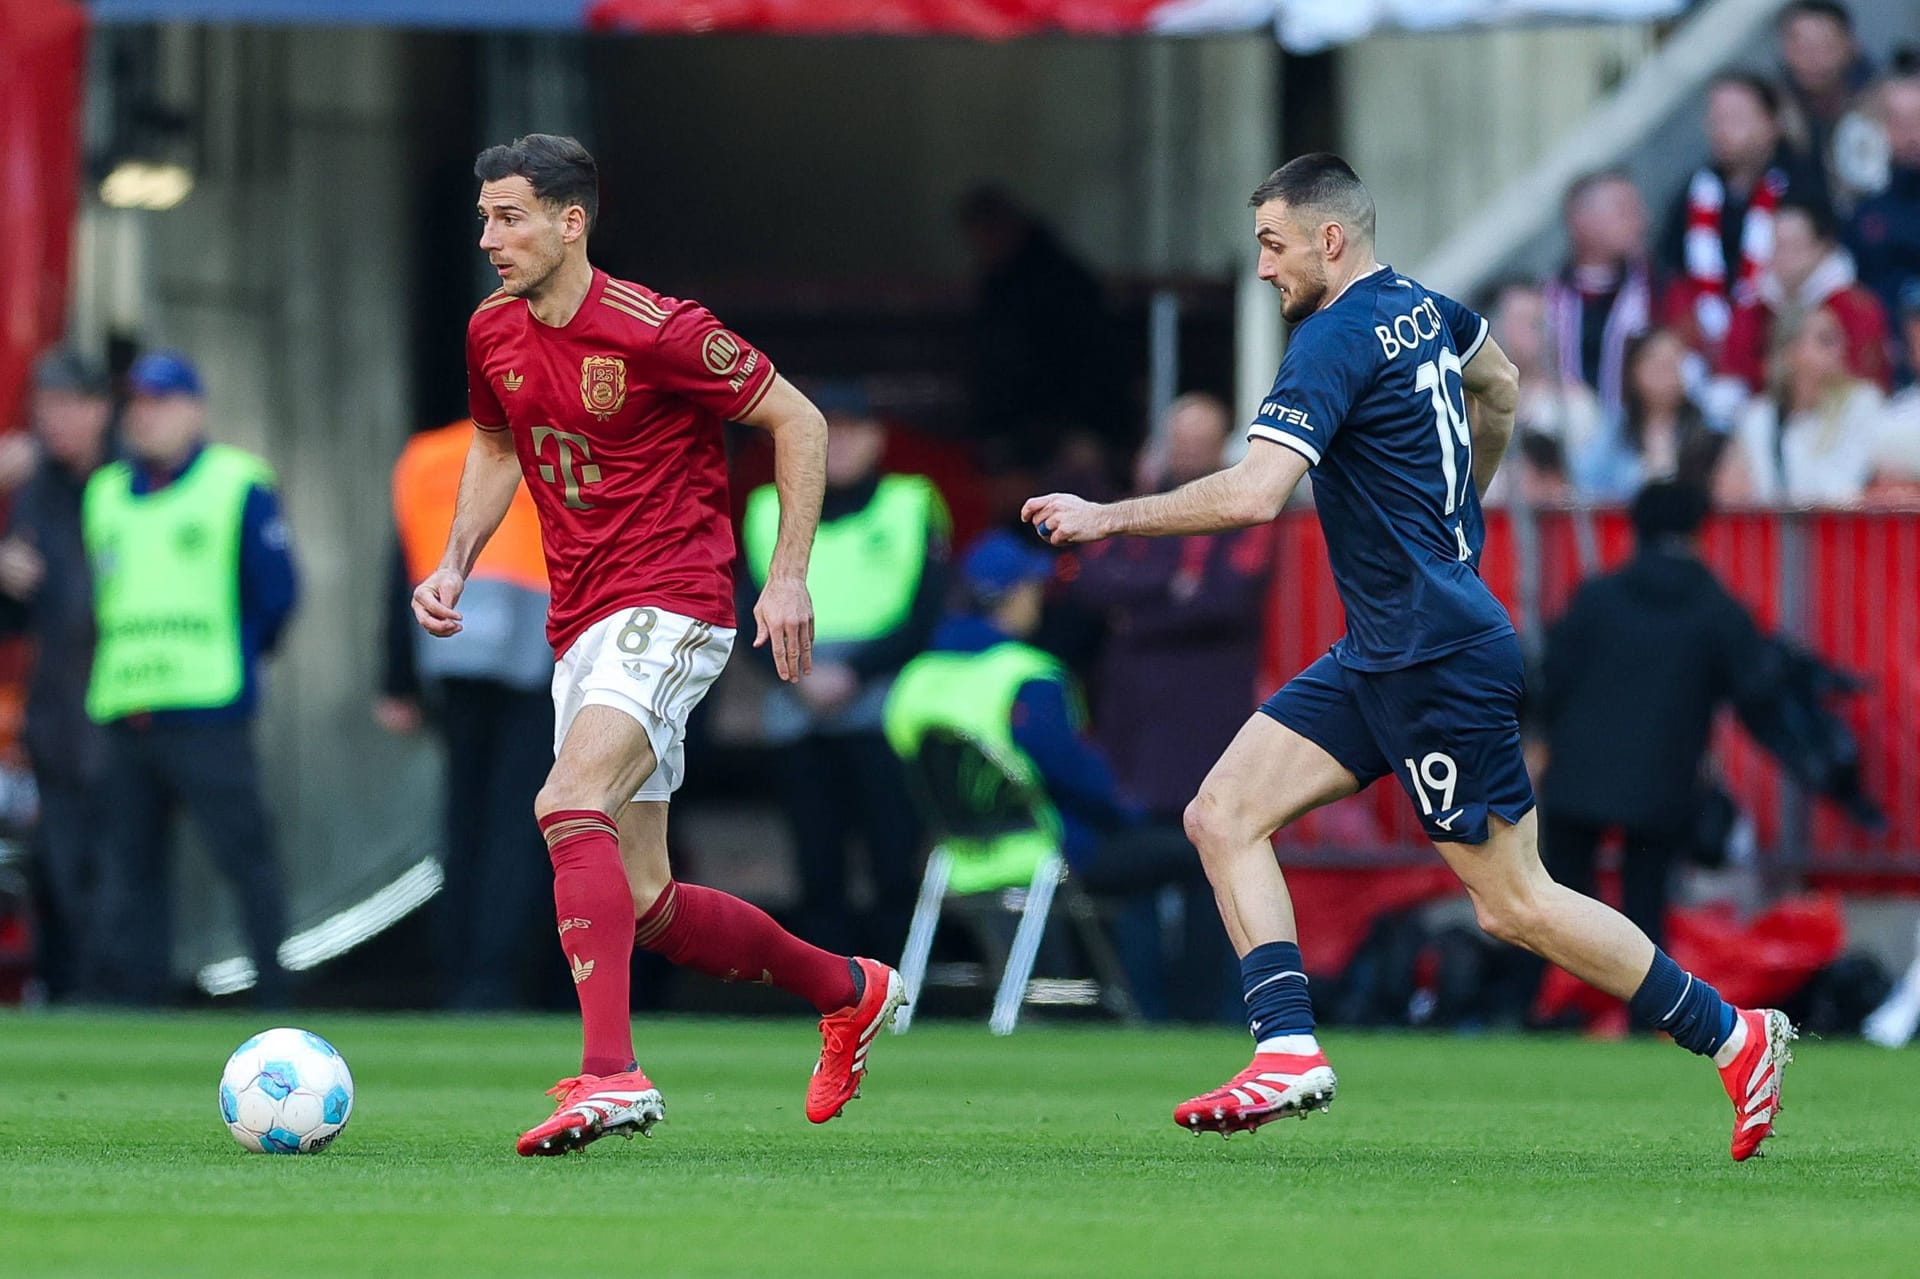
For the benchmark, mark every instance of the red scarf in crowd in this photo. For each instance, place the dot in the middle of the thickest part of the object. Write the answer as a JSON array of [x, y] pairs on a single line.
[[1714, 297]]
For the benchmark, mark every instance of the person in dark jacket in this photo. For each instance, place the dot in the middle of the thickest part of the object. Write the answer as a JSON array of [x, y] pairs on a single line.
[[45, 591], [1633, 675]]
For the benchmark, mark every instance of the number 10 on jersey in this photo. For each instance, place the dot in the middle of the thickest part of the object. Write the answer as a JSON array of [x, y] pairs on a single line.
[[1450, 423]]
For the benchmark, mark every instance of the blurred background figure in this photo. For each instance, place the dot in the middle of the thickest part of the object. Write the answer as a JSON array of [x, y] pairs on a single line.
[[485, 694], [1896, 448], [878, 578], [1885, 231], [1809, 269], [1810, 440], [1559, 416], [1719, 233], [46, 592], [193, 584], [1824, 71], [1045, 362], [1606, 293], [1661, 432], [1633, 675]]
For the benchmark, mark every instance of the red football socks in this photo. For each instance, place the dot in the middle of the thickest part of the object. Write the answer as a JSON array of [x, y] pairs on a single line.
[[595, 910], [722, 936]]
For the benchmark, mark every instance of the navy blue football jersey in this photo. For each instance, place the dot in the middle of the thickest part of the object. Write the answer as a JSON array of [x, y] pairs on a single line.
[[1370, 392]]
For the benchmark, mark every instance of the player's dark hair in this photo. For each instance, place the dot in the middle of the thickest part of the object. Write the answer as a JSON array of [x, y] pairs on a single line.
[[1324, 184], [1670, 508], [1826, 227], [1753, 82], [560, 170], [1828, 9]]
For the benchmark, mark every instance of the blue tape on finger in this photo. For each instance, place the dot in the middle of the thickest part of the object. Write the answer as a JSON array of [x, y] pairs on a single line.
[[1041, 528]]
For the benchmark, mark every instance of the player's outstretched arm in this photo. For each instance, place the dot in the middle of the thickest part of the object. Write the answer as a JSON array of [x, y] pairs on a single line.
[[1493, 385], [1249, 492], [783, 615], [487, 485]]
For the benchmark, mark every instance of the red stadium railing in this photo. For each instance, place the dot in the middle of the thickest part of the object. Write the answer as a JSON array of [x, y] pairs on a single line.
[[1844, 583]]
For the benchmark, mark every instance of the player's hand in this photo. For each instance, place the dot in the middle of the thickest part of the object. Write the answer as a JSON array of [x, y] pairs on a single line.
[[434, 600], [1062, 518], [784, 617]]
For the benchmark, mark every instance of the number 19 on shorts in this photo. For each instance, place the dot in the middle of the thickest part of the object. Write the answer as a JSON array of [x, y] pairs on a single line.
[[1436, 774]]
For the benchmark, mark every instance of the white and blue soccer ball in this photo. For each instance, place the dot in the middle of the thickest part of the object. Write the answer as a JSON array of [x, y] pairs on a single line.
[[286, 1092]]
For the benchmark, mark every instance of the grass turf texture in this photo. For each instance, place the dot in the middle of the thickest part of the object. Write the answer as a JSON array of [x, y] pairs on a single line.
[[1050, 1153]]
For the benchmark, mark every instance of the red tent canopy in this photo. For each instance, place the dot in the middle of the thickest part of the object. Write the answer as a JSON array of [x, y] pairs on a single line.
[[976, 19], [42, 48]]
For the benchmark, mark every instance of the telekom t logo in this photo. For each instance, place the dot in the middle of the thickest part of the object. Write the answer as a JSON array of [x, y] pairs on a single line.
[[571, 448]]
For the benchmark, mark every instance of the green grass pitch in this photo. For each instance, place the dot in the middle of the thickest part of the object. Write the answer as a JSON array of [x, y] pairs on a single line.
[[1050, 1153]]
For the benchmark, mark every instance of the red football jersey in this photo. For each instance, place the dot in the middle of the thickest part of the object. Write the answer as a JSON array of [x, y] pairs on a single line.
[[616, 416]]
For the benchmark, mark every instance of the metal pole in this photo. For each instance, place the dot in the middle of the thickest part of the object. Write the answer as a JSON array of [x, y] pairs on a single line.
[[1796, 808]]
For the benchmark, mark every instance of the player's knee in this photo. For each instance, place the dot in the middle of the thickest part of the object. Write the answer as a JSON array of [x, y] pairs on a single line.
[[1514, 917], [1211, 824]]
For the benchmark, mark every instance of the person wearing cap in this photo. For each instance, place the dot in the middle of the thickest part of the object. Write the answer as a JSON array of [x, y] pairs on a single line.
[[193, 583], [877, 578], [984, 681], [46, 593], [1633, 676]]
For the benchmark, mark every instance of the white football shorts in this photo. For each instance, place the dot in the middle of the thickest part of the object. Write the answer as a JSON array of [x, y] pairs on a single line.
[[650, 664]]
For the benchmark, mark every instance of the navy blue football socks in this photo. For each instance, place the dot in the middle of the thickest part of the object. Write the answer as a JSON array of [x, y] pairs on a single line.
[[1679, 1003], [1275, 983]]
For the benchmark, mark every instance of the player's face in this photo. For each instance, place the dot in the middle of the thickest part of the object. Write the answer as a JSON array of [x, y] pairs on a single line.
[[523, 236], [1291, 260]]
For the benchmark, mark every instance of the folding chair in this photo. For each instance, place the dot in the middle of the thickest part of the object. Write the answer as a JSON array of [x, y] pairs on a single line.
[[997, 843]]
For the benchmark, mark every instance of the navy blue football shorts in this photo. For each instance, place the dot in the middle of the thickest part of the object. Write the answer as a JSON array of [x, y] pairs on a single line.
[[1448, 729]]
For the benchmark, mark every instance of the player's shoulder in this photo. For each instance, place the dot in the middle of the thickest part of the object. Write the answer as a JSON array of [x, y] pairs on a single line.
[[635, 307], [497, 310]]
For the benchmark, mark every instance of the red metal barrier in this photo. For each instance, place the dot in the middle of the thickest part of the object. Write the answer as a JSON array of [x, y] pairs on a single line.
[[1845, 583]]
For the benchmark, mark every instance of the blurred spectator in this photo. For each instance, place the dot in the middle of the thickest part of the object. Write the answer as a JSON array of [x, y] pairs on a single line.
[[878, 580], [1824, 71], [1045, 356], [1809, 270], [1604, 296], [485, 693], [193, 583], [1105, 838], [1633, 675], [1559, 415], [46, 591], [1719, 234], [1183, 615], [1885, 233], [1661, 433], [1810, 440], [1896, 449]]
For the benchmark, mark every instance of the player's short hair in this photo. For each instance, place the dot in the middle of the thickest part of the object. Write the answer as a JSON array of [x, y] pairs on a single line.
[[1828, 9], [560, 170], [1670, 508], [1324, 184], [1753, 82]]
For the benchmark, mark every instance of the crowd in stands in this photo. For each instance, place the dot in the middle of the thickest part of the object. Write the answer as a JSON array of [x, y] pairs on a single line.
[[1764, 339]]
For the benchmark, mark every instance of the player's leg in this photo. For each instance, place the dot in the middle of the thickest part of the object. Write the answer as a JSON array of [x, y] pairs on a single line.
[[1306, 748], [1454, 723]]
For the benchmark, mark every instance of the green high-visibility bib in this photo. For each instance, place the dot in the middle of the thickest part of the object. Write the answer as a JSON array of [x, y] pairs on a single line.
[[971, 695], [166, 585], [866, 565]]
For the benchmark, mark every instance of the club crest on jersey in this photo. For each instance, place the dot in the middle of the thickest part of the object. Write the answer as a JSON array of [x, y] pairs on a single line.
[[603, 384]]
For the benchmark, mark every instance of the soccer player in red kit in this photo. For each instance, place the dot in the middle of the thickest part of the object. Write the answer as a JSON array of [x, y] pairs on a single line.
[[609, 398]]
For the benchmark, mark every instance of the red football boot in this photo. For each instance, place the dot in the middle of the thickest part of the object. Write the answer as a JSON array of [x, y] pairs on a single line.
[[846, 1036], [1752, 1078], [592, 1107], [1274, 1086]]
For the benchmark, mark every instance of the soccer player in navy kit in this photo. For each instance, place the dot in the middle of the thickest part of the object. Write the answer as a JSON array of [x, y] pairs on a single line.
[[1401, 406]]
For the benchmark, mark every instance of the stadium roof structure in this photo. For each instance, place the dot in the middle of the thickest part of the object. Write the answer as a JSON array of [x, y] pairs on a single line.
[[1300, 25]]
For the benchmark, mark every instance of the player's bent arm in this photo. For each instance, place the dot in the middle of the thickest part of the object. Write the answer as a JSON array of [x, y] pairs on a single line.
[[487, 485], [799, 472], [1249, 492], [1493, 385]]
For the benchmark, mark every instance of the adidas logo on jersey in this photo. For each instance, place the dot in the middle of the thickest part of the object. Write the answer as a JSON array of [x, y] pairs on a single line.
[[582, 968], [513, 381]]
